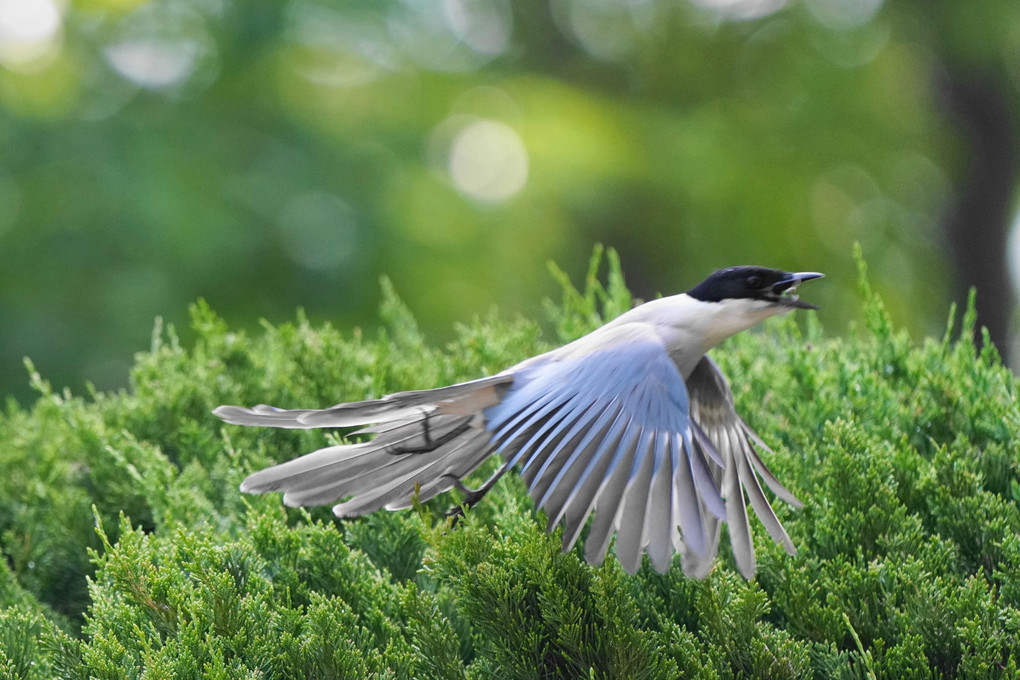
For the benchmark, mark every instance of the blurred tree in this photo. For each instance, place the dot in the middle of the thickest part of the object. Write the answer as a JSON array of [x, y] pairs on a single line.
[[287, 153], [979, 71]]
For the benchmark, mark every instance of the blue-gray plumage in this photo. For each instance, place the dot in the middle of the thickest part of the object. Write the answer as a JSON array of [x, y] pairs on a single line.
[[631, 425]]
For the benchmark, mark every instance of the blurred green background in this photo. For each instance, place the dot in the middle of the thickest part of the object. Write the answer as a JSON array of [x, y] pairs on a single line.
[[269, 155]]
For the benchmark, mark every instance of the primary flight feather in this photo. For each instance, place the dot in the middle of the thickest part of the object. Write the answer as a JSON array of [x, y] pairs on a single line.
[[632, 426]]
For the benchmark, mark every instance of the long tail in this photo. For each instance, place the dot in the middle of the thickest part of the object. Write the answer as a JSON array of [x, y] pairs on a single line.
[[425, 439]]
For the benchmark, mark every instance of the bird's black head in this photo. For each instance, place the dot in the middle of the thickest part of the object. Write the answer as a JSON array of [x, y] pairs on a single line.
[[756, 283]]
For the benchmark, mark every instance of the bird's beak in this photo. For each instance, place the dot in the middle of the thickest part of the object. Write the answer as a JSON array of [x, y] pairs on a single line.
[[785, 290]]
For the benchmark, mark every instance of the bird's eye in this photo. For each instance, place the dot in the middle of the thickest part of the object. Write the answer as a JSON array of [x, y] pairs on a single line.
[[754, 281]]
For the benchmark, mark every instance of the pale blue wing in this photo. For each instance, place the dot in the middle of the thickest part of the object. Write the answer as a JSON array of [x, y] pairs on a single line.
[[735, 466], [606, 429]]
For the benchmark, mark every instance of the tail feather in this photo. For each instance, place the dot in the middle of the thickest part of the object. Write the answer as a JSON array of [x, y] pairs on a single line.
[[352, 461], [284, 476], [461, 399], [378, 472], [261, 415], [425, 440], [452, 461]]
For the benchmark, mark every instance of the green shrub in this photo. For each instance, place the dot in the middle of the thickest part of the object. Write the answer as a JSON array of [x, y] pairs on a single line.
[[130, 553]]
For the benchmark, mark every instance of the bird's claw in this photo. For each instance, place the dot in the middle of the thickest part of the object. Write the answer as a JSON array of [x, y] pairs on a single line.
[[471, 496]]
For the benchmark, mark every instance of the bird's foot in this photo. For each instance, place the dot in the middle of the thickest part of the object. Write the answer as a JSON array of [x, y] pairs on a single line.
[[472, 496]]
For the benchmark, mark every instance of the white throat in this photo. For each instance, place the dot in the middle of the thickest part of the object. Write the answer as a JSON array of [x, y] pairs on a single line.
[[691, 327]]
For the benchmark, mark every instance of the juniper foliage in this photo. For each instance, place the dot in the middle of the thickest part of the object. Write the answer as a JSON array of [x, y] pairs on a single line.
[[130, 553]]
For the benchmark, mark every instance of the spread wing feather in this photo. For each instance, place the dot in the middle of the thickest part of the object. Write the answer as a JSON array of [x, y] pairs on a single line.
[[659, 518], [608, 495], [553, 418], [583, 493], [725, 437]]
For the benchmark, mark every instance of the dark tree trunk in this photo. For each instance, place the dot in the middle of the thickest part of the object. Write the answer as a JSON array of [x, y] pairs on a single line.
[[978, 223]]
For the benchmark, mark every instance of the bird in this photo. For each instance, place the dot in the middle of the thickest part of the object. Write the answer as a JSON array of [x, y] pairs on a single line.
[[632, 426]]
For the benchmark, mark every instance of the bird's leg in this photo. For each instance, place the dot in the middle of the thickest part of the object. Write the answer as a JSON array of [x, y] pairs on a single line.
[[426, 432], [472, 496], [431, 444]]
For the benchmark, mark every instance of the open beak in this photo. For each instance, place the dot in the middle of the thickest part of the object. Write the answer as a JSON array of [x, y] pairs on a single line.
[[785, 290]]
